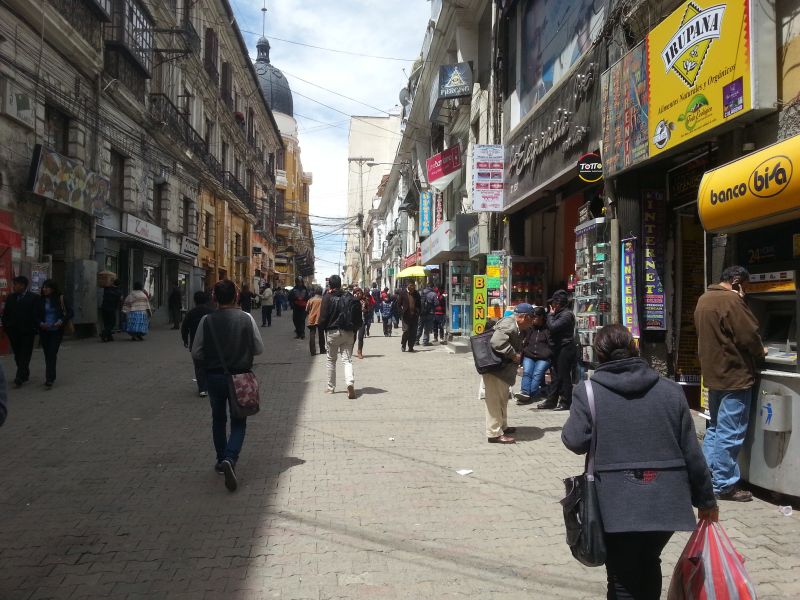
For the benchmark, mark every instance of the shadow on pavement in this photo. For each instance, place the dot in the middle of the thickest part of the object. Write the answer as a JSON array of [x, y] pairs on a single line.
[[525, 433], [370, 390]]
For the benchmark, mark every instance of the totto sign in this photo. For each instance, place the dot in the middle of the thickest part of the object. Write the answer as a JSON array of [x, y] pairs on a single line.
[[590, 168]]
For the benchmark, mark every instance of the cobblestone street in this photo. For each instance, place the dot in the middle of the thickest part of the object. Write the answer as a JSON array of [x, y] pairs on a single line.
[[109, 489]]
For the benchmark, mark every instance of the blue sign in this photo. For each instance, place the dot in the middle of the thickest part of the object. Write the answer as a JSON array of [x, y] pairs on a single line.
[[425, 213]]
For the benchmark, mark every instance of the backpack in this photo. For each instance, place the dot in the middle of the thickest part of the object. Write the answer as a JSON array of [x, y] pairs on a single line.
[[486, 359], [376, 296], [429, 302], [341, 310]]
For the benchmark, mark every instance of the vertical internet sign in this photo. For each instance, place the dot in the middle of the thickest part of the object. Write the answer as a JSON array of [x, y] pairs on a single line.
[[654, 216], [425, 213], [488, 183]]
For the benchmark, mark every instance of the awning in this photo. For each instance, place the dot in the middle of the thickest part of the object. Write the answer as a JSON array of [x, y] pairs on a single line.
[[9, 237], [756, 190], [108, 232]]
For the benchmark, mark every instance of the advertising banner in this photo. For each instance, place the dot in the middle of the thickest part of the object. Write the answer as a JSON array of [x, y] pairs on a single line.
[[443, 167], [654, 219], [425, 214], [630, 312], [488, 181], [699, 59], [479, 304]]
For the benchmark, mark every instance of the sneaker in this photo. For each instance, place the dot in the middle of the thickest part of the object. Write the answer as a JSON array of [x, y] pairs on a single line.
[[218, 468], [735, 495], [523, 398], [351, 392], [203, 394], [230, 475]]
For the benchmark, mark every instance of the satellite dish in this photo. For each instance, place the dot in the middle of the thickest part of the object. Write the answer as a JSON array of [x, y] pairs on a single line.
[[405, 97]]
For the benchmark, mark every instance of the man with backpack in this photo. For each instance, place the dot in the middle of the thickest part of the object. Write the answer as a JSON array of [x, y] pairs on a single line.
[[340, 318], [427, 315], [298, 298]]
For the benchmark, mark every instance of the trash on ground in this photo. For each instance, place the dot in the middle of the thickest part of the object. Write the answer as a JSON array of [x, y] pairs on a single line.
[[464, 471], [786, 511]]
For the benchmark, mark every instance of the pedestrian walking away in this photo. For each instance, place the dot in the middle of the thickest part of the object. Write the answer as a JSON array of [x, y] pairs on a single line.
[[409, 302], [428, 303], [54, 314], [396, 311], [365, 302], [175, 305], [21, 324], [386, 309], [729, 346], [137, 312], [232, 343], [649, 465], [316, 335], [537, 350], [340, 317], [298, 298], [109, 309], [506, 341], [246, 298], [267, 303], [439, 315], [375, 295], [561, 323], [278, 298], [202, 307]]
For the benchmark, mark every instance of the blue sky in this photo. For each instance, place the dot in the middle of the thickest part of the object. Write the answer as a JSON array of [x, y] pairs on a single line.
[[385, 28]]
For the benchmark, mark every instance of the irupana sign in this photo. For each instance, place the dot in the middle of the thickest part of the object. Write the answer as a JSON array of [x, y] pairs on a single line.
[[759, 189]]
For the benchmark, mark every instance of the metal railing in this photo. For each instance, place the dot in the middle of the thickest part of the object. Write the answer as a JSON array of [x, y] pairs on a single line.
[[232, 184], [191, 36]]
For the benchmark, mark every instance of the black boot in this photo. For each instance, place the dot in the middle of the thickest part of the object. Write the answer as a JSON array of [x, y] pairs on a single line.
[[548, 404], [562, 405]]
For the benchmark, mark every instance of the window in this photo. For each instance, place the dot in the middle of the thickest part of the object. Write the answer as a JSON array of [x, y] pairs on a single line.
[[117, 191], [237, 244], [211, 54], [280, 205], [237, 168], [132, 27], [224, 156], [56, 129], [226, 90], [280, 159], [188, 215], [208, 230], [158, 202], [209, 132]]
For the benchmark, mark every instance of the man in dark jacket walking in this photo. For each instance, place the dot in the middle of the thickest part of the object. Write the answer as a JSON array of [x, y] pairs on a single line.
[[109, 309], [729, 347], [561, 323], [201, 308], [340, 318], [428, 302], [175, 305], [410, 303], [20, 321], [298, 298]]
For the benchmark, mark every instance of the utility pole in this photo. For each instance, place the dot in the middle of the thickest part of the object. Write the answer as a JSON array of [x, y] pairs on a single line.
[[361, 160]]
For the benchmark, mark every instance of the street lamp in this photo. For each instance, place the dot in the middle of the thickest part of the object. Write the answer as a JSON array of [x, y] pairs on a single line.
[[398, 164], [361, 160]]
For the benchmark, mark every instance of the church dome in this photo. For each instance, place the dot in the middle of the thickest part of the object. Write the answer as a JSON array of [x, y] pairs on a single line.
[[273, 82]]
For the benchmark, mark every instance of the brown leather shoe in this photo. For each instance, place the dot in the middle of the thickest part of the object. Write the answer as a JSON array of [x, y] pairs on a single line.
[[351, 392], [736, 495], [510, 430], [503, 439]]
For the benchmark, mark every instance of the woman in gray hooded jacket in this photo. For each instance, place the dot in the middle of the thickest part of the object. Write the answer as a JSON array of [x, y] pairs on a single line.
[[650, 469]]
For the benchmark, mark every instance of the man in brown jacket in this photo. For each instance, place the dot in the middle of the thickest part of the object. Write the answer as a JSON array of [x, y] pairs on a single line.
[[316, 333], [729, 346]]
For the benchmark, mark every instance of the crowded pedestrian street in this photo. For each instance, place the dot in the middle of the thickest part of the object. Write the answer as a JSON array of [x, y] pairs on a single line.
[[109, 488]]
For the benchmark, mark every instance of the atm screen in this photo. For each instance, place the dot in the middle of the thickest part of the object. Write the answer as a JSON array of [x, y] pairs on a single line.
[[780, 328]]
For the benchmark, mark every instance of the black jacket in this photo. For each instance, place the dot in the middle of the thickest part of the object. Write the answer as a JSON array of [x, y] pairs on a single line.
[[175, 300], [191, 321], [562, 328], [112, 298], [405, 305], [21, 314], [538, 344], [329, 312], [650, 467]]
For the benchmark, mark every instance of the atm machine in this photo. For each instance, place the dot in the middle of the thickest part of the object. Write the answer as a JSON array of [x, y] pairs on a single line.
[[771, 454]]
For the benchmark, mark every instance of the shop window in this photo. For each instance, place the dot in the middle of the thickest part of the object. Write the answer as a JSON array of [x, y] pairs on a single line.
[[117, 191], [188, 214], [208, 230], [56, 129]]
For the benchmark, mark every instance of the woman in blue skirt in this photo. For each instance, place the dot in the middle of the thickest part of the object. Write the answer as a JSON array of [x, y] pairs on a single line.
[[137, 310]]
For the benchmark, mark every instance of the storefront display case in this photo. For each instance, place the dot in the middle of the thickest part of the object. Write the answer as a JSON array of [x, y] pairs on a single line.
[[527, 281], [459, 297], [592, 295]]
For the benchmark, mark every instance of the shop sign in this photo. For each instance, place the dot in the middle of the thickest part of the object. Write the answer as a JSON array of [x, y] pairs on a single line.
[[67, 181], [143, 229], [590, 168], [190, 247], [776, 281], [756, 190], [558, 132], [488, 167], [630, 313], [442, 168], [425, 213], [443, 239], [455, 81], [478, 241], [439, 218], [479, 304], [654, 217], [412, 259], [282, 268]]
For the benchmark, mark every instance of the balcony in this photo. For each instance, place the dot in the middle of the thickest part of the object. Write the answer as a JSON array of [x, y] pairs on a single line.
[[167, 114], [232, 184]]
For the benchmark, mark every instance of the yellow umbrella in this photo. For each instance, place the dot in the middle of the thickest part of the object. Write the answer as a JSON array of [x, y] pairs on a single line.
[[415, 271]]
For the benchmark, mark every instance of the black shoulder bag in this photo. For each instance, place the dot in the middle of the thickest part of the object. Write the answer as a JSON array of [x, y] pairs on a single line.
[[243, 395], [582, 517]]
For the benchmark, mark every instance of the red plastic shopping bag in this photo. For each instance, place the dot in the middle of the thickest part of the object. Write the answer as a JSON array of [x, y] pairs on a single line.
[[710, 568]]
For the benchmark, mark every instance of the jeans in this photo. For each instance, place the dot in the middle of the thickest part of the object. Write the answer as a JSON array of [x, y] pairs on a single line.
[[109, 320], [425, 328], [50, 342], [266, 316], [279, 307], [225, 446], [299, 320], [409, 333], [438, 326], [340, 342], [22, 346], [316, 333], [533, 375], [200, 375], [360, 336], [633, 564], [387, 326], [725, 431], [563, 361]]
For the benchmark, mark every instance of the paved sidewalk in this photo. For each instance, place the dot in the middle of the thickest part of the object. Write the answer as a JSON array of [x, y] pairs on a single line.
[[108, 488]]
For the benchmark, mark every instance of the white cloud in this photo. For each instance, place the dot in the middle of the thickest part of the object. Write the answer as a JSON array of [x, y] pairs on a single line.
[[376, 27]]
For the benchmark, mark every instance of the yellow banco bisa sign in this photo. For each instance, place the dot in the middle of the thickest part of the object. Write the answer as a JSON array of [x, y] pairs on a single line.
[[699, 70], [759, 189]]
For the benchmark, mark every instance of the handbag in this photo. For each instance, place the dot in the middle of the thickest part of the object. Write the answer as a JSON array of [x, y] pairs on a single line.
[[243, 395], [710, 568], [486, 359], [582, 518]]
